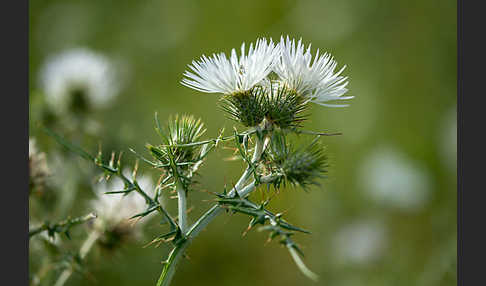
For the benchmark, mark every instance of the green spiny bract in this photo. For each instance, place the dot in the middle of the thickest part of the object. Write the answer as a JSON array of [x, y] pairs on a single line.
[[178, 155], [285, 107], [282, 107], [247, 107], [298, 167]]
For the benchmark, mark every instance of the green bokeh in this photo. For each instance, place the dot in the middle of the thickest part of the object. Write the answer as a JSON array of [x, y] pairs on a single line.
[[401, 63]]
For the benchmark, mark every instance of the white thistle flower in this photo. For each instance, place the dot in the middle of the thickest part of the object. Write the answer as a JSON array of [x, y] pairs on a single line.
[[115, 209], [315, 80], [228, 76], [78, 71]]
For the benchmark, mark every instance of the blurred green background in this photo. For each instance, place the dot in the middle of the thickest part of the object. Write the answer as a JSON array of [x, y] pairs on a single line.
[[387, 213]]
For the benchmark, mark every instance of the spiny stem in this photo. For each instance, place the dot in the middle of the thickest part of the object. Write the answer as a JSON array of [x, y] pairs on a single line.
[[259, 148], [177, 253], [65, 223], [85, 248]]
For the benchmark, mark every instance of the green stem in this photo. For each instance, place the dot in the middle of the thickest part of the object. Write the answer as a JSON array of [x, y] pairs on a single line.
[[63, 225], [181, 197], [85, 248], [259, 148], [177, 253]]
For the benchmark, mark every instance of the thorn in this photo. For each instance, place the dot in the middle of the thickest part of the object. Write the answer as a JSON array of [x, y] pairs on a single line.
[[135, 169], [100, 178], [209, 192], [99, 150], [155, 240], [246, 231], [118, 163], [134, 221], [162, 176], [112, 159], [267, 241]]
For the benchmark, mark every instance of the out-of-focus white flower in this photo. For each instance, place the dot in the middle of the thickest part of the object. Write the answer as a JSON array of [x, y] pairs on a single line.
[[78, 72], [315, 80], [113, 209], [360, 242], [390, 178], [221, 75]]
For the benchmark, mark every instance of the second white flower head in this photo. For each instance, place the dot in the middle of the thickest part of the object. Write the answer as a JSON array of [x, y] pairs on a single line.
[[315, 80]]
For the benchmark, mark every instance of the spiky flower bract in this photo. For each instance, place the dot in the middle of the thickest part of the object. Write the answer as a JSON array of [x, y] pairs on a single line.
[[298, 166], [219, 74], [78, 79], [280, 106], [316, 79], [181, 130], [246, 107], [177, 155], [284, 107]]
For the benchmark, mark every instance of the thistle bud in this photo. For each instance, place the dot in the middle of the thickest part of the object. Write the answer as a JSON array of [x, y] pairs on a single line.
[[298, 167]]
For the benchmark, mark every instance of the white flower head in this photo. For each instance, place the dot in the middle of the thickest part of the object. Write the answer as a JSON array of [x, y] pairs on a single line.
[[78, 71], [114, 209], [313, 79], [219, 74], [394, 180], [360, 242]]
